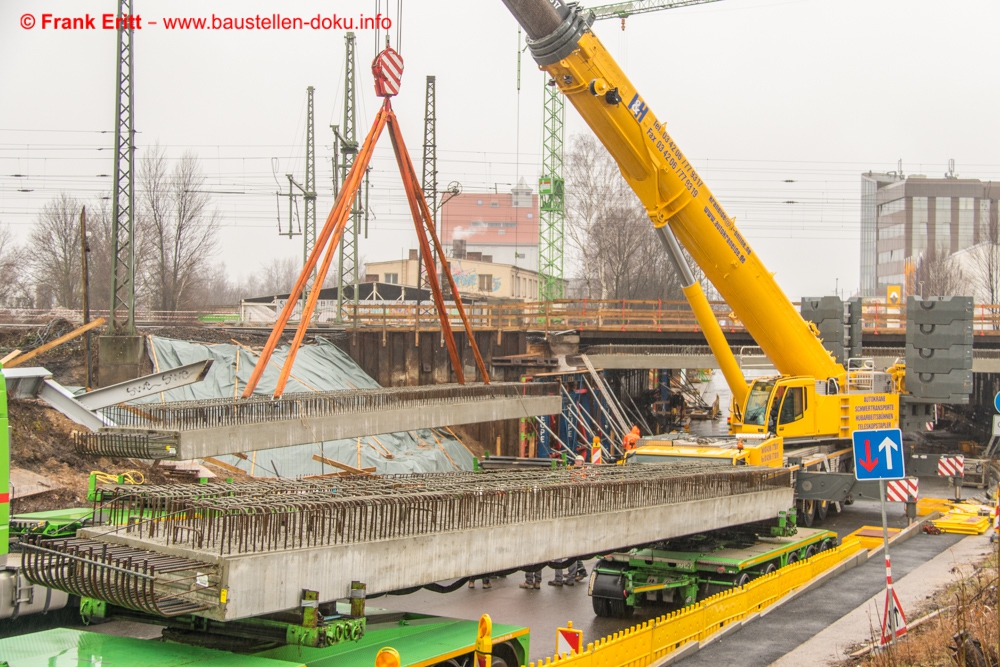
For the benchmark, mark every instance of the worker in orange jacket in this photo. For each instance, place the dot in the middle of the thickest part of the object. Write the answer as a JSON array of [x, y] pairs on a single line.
[[631, 438]]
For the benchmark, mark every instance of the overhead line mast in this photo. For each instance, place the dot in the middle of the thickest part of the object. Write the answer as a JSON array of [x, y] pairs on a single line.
[[122, 315], [347, 264]]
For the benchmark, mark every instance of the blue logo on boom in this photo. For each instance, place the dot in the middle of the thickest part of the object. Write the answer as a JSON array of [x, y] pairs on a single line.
[[638, 107]]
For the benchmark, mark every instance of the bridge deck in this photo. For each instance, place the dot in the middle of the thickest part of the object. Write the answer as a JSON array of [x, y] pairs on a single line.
[[262, 543], [196, 429], [618, 356]]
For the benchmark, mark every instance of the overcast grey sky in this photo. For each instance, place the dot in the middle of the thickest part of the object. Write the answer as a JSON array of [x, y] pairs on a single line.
[[756, 92]]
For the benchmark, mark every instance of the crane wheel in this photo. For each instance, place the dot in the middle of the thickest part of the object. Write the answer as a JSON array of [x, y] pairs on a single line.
[[807, 513]]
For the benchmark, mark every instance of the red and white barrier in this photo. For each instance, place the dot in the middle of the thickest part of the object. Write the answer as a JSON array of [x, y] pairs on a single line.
[[898, 490], [951, 466]]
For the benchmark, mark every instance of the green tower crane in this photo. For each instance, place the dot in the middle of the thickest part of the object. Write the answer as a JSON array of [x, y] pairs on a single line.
[[347, 265]]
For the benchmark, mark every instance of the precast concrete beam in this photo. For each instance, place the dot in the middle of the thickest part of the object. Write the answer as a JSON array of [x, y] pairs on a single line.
[[267, 425], [199, 443], [263, 583]]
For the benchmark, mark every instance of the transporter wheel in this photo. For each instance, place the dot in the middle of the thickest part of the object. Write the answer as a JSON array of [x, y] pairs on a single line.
[[504, 655], [741, 579], [608, 591], [769, 568], [619, 609], [811, 550], [792, 558], [807, 513], [602, 607], [822, 509], [826, 544]]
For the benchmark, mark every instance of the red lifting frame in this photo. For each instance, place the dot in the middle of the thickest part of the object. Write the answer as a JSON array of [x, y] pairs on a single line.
[[387, 83]]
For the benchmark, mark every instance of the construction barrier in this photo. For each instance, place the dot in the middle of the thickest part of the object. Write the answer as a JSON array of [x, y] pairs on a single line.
[[872, 537], [647, 642], [965, 519], [962, 518]]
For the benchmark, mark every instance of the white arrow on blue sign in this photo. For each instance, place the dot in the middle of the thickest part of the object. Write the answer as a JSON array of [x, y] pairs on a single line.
[[878, 454]]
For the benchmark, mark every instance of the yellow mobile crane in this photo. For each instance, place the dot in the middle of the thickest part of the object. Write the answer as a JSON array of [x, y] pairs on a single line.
[[815, 402], [814, 398]]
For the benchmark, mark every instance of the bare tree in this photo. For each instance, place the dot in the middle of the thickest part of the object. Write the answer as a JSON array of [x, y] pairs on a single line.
[[15, 287], [276, 276], [100, 242], [53, 253], [621, 256], [936, 273], [984, 261], [177, 233]]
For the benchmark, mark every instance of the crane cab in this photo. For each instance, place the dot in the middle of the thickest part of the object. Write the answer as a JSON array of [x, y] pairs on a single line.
[[803, 408], [784, 406]]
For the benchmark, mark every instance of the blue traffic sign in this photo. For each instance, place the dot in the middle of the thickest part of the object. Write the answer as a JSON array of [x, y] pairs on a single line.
[[996, 401], [878, 454]]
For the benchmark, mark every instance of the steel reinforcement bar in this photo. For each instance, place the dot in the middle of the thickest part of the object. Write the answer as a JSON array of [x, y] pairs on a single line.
[[133, 578], [187, 415], [260, 517]]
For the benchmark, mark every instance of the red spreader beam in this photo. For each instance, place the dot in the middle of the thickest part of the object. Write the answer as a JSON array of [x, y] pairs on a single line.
[[387, 69]]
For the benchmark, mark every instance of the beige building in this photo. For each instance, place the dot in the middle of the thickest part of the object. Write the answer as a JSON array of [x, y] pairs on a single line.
[[475, 275]]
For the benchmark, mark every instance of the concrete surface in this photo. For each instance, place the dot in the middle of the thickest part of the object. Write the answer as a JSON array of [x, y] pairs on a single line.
[[830, 645], [199, 443], [121, 358]]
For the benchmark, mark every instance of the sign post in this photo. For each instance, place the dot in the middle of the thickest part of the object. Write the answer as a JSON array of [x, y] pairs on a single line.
[[878, 455]]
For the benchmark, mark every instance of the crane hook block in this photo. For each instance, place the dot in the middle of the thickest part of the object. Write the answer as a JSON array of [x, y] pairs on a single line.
[[387, 68]]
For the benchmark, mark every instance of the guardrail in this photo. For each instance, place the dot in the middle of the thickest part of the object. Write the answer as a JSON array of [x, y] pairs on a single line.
[[30, 316], [650, 641], [548, 317]]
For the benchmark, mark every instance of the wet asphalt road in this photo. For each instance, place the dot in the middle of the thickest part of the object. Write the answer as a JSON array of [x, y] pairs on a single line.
[[767, 639]]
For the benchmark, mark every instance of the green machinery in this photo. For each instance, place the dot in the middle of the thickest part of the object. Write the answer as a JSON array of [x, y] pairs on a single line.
[[682, 571], [421, 641]]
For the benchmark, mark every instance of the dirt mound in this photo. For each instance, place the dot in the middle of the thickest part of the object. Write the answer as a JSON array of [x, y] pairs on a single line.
[[42, 442]]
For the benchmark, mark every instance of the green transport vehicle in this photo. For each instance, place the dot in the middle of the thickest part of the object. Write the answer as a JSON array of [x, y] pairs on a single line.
[[421, 641], [681, 571]]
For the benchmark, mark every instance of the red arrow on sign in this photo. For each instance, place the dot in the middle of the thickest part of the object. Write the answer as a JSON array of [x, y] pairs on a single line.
[[868, 464]]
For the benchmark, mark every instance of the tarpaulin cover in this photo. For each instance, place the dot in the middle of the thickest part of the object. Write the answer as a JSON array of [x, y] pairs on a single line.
[[320, 366]]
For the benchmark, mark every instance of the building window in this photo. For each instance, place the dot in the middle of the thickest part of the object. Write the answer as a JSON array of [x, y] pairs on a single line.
[[392, 278], [479, 202], [501, 232], [966, 222], [530, 216], [891, 232], [890, 256], [485, 282], [987, 225], [919, 225], [494, 204], [892, 207], [942, 225]]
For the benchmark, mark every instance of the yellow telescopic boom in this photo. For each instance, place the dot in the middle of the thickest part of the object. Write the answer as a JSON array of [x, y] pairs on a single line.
[[667, 183]]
